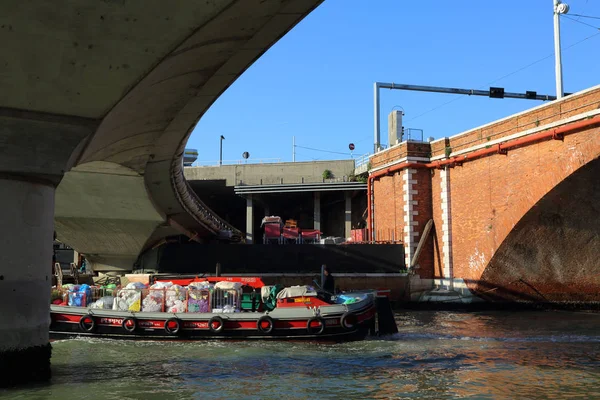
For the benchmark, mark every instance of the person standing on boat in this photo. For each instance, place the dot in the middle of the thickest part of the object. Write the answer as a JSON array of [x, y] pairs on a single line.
[[328, 283]]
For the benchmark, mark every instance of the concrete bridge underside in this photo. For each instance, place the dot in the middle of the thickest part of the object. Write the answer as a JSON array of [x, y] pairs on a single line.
[[105, 94]]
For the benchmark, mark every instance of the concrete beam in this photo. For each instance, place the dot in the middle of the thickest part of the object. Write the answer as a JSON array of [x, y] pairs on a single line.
[[348, 215], [249, 220], [317, 211], [102, 197], [39, 145], [272, 173]]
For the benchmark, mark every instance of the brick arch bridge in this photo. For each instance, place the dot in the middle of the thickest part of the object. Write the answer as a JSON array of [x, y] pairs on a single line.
[[514, 204]]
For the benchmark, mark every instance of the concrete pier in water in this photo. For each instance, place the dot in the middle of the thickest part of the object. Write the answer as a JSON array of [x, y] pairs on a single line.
[[27, 210]]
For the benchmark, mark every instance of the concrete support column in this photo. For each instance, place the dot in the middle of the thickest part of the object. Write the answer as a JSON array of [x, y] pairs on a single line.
[[26, 212], [317, 211], [348, 215], [36, 149], [249, 220]]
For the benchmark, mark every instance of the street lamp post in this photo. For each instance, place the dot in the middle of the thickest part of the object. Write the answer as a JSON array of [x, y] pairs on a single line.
[[559, 8], [221, 150]]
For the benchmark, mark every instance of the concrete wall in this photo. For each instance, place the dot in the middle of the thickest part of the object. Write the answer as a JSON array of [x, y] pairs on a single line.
[[191, 257], [276, 173], [478, 206]]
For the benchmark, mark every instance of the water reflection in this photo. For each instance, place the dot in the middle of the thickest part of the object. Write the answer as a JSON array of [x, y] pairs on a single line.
[[435, 355]]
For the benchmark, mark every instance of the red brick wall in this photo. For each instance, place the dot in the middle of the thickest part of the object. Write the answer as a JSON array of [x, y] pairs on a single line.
[[424, 209], [399, 152], [489, 195], [389, 205], [551, 112], [436, 207]]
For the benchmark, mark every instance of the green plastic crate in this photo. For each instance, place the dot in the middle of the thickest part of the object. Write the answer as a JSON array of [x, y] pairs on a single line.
[[247, 301]]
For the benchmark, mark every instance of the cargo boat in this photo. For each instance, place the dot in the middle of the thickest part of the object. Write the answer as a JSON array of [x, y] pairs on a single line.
[[234, 308]]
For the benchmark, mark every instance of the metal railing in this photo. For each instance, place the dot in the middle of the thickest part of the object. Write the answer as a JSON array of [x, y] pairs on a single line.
[[362, 160], [236, 162], [413, 134], [408, 134]]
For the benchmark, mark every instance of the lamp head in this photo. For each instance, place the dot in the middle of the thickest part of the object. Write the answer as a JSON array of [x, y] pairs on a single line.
[[562, 8]]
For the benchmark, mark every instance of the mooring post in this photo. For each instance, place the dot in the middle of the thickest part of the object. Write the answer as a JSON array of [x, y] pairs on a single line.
[[218, 271]]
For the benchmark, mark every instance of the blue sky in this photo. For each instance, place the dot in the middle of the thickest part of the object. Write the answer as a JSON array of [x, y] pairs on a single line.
[[317, 82]]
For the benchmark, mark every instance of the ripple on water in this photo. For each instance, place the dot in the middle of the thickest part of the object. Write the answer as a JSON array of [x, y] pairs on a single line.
[[435, 355]]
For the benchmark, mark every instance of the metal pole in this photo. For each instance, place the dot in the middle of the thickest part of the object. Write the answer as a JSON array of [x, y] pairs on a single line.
[[293, 148], [438, 89], [221, 151], [468, 92], [557, 55], [376, 136]]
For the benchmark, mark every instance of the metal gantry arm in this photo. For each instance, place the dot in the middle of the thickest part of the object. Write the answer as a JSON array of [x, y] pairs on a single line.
[[492, 92]]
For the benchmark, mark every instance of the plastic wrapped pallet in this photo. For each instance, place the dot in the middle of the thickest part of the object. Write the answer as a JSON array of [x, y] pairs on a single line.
[[178, 307], [129, 298], [155, 297], [79, 295], [174, 294], [228, 285], [153, 302], [105, 303], [199, 305], [198, 297]]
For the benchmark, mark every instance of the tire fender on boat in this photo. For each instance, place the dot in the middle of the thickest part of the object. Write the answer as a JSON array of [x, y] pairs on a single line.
[[87, 323], [172, 330], [315, 330], [265, 319], [349, 321], [129, 324], [216, 320]]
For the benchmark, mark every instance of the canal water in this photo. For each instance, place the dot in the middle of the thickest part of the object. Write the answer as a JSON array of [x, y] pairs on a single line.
[[436, 355]]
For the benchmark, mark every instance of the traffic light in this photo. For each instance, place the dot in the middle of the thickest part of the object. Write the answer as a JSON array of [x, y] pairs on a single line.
[[496, 93], [530, 95]]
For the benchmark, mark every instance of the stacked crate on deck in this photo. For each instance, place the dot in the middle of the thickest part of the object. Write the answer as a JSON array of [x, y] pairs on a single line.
[[226, 297], [272, 226], [251, 300], [199, 297], [291, 232], [291, 235], [310, 236]]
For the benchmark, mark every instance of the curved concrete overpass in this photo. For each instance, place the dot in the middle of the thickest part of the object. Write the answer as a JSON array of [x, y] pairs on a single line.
[[106, 94], [144, 76]]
